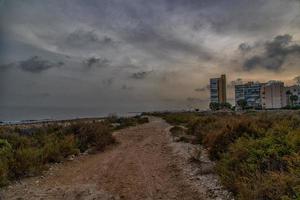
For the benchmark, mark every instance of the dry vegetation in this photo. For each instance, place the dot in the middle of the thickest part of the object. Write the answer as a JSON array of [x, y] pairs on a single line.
[[27, 151], [257, 153]]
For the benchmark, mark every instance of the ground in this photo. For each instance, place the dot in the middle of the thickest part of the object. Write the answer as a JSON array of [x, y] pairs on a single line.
[[141, 166]]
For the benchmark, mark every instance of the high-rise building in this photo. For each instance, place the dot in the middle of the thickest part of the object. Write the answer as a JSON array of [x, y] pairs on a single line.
[[250, 93], [272, 95], [218, 89]]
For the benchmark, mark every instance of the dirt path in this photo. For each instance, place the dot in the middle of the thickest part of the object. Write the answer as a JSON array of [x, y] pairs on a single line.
[[141, 166]]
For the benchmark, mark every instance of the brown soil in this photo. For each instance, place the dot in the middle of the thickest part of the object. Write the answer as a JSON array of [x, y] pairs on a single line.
[[141, 166]]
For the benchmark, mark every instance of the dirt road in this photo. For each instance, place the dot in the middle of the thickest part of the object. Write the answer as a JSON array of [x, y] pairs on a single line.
[[141, 166]]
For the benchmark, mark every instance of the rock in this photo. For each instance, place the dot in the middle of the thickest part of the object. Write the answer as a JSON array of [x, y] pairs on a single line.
[[188, 138], [71, 158]]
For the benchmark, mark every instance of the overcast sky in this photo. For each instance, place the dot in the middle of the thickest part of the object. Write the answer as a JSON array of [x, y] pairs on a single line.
[[141, 54]]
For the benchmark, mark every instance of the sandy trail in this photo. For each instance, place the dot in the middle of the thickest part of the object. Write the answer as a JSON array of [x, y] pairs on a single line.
[[141, 166]]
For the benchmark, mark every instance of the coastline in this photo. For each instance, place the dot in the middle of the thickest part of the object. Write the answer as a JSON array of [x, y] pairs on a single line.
[[46, 121]]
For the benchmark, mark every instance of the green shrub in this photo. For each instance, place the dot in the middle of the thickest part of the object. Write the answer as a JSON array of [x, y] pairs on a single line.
[[26, 162], [5, 157], [96, 135], [257, 153], [24, 152], [177, 131]]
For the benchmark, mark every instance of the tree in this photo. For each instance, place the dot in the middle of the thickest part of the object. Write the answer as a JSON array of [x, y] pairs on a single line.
[[226, 105], [214, 106], [297, 80], [294, 98], [242, 103]]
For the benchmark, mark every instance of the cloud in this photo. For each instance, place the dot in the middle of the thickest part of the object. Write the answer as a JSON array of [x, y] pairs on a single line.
[[163, 44], [5, 67], [233, 83], [202, 89], [245, 47], [275, 54], [141, 75], [82, 38], [37, 65], [297, 80], [108, 82], [196, 100], [96, 62], [126, 87], [184, 42], [84, 42]]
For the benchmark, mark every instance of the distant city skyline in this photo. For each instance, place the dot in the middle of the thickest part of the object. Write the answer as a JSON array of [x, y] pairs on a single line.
[[135, 55]]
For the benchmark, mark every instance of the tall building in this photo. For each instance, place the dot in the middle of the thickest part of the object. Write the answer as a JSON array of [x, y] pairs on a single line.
[[218, 89], [272, 95], [250, 92]]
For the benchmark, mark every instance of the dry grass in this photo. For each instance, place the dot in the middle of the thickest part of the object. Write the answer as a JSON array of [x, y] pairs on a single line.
[[257, 153]]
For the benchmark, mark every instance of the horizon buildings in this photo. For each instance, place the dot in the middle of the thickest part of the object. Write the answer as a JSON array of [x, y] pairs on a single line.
[[218, 90]]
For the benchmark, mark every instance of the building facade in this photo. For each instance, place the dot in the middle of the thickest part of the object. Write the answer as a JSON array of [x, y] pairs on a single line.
[[218, 90], [288, 92], [250, 92], [273, 95]]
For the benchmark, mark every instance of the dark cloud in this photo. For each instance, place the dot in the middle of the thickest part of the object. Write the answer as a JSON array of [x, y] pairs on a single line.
[[244, 47], [96, 62], [275, 54], [5, 67], [248, 17], [36, 65], [162, 43], [126, 87], [202, 89], [108, 82], [177, 38], [196, 100], [87, 39], [141, 75], [43, 94], [238, 81]]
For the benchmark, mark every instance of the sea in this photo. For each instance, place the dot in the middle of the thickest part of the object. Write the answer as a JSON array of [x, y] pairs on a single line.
[[29, 114], [26, 114]]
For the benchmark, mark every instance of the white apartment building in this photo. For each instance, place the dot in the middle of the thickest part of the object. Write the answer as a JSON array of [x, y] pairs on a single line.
[[289, 91], [273, 95]]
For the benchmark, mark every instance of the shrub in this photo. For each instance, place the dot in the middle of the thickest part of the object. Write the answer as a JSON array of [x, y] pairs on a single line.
[[257, 153], [5, 157], [96, 135], [177, 131], [124, 122], [24, 152], [231, 132], [179, 118], [25, 162]]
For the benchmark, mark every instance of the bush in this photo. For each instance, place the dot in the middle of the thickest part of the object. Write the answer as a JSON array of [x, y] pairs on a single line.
[[179, 118], [5, 157], [26, 162], [177, 131], [92, 135], [123, 122], [24, 152], [257, 153]]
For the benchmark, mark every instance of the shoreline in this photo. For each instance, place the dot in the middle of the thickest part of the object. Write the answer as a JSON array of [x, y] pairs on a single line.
[[45, 121]]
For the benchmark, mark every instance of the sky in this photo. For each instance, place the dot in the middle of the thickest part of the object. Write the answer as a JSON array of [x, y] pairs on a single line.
[[138, 55]]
